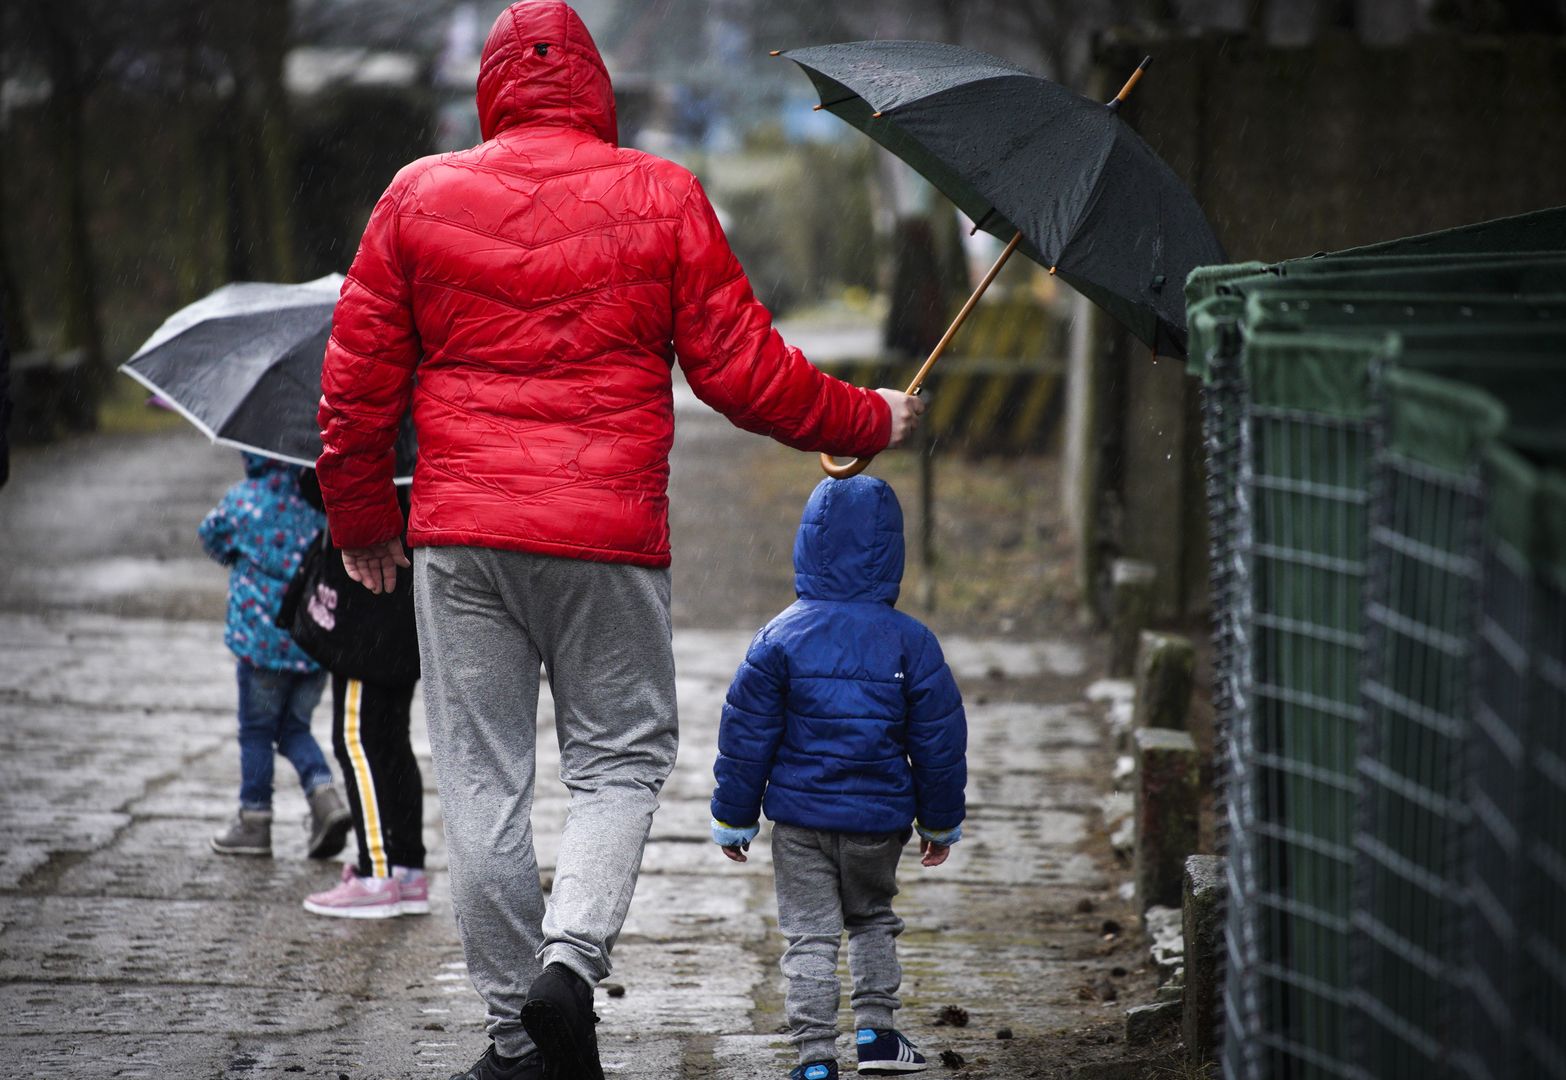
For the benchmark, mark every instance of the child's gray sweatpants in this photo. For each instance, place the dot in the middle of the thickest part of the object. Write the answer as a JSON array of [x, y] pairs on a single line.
[[829, 882], [487, 620]]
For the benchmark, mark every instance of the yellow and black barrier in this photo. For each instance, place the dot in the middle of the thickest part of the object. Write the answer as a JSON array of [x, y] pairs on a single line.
[[1000, 395]]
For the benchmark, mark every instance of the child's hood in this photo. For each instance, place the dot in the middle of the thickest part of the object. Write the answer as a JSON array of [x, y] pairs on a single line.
[[850, 542], [257, 466]]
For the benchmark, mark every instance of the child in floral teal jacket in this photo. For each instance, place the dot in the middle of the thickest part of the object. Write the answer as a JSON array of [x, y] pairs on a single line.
[[261, 530]]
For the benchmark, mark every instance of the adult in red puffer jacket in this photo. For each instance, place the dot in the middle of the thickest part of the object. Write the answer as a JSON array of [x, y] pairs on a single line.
[[528, 297]]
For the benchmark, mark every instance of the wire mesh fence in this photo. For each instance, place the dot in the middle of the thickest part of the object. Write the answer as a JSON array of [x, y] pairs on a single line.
[[1421, 602], [1544, 841], [1390, 655], [1215, 347]]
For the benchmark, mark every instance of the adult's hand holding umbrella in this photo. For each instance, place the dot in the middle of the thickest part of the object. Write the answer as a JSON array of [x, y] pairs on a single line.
[[906, 409]]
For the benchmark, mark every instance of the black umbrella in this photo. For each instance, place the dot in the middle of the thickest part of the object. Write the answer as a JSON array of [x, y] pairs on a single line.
[[1059, 176], [244, 365]]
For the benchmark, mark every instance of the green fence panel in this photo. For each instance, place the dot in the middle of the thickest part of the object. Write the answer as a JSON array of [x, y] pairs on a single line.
[[1537, 230], [1339, 692], [1422, 603], [1544, 841], [1283, 305], [1203, 282], [1304, 483], [1499, 787], [1215, 355]]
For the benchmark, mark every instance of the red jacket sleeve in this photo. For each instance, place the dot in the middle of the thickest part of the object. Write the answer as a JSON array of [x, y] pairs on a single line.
[[737, 363], [366, 383]]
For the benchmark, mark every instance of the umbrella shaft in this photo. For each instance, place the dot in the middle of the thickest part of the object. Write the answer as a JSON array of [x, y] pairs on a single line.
[[940, 346]]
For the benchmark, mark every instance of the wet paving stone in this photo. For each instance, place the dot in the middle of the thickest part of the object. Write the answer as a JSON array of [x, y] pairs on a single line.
[[95, 1008], [129, 949]]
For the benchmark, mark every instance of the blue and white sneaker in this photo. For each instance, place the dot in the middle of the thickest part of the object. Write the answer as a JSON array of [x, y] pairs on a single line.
[[887, 1052], [814, 1070]]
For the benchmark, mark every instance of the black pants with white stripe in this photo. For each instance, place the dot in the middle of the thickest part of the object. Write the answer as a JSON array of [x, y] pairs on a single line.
[[370, 736]]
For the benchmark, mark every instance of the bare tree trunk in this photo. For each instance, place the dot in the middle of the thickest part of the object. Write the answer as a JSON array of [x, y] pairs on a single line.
[[257, 148], [196, 172], [12, 315], [1256, 19], [80, 324], [276, 142], [951, 21]]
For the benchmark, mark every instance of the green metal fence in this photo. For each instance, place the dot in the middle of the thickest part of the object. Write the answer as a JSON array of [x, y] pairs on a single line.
[[1421, 607], [1357, 418]]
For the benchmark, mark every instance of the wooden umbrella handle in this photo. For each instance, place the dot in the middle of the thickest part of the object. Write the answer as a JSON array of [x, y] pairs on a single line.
[[855, 466]]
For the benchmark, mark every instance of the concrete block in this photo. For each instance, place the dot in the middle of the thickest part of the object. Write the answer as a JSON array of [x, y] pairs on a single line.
[[1165, 665], [1131, 583], [1168, 787], [1144, 1023], [1202, 918]]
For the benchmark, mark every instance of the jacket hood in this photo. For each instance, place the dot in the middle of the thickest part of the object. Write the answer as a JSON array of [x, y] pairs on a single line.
[[541, 67], [257, 466], [850, 542]]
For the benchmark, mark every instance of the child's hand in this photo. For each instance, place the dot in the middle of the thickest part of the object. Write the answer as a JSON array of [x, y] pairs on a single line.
[[734, 839], [936, 844]]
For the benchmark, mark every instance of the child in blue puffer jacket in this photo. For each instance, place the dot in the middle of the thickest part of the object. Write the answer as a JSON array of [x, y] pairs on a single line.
[[262, 529], [845, 725]]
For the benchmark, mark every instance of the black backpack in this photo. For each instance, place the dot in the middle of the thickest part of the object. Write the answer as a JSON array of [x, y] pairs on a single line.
[[345, 627]]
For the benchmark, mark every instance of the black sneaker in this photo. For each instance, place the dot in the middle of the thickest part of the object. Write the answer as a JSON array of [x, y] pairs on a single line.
[[489, 1067], [558, 1015], [887, 1051]]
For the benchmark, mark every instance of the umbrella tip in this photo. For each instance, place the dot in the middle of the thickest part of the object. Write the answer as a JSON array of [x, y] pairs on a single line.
[[875, 115], [779, 52]]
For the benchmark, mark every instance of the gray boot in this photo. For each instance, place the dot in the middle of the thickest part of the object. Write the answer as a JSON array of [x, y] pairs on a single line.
[[330, 822], [250, 833]]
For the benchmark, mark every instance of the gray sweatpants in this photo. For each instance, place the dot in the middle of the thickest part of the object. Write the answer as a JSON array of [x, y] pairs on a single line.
[[828, 882], [487, 620]]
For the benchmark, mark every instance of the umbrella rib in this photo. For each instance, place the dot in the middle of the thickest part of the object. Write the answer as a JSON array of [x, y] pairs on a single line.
[[834, 104]]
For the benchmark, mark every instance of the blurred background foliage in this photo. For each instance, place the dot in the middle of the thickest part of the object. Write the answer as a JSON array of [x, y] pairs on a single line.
[[156, 149]]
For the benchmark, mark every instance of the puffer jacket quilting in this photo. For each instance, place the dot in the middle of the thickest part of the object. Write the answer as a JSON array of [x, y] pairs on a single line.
[[844, 715], [540, 286]]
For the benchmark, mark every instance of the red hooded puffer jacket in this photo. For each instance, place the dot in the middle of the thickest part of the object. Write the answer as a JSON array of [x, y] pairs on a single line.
[[530, 296]]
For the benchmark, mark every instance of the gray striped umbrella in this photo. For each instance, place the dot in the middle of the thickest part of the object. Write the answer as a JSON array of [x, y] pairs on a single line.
[[244, 365]]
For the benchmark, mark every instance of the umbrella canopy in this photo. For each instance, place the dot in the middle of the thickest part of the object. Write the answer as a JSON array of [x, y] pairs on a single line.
[[1022, 155], [244, 365]]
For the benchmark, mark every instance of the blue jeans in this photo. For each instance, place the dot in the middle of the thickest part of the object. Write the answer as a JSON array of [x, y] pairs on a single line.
[[274, 711]]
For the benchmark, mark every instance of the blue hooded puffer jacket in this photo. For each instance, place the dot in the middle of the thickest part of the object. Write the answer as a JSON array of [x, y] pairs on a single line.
[[262, 529], [844, 712]]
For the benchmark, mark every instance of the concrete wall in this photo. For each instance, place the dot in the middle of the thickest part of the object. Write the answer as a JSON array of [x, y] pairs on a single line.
[[1293, 151]]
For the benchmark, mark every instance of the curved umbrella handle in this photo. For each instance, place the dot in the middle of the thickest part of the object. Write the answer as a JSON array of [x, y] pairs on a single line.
[[856, 466]]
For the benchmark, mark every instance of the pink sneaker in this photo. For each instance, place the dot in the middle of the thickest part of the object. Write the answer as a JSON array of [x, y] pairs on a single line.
[[413, 886], [358, 897]]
